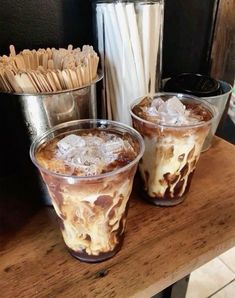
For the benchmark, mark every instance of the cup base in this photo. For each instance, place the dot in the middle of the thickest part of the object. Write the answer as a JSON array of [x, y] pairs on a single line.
[[92, 259], [206, 146], [84, 257], [164, 202]]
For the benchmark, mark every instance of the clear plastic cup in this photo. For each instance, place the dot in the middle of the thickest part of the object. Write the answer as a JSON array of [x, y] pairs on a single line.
[[171, 153], [92, 210]]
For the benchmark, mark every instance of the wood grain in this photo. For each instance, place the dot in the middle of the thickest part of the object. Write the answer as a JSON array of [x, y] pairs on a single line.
[[223, 47], [161, 245]]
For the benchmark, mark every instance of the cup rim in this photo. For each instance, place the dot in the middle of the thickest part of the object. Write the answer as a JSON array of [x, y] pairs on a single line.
[[39, 140], [219, 95], [200, 100]]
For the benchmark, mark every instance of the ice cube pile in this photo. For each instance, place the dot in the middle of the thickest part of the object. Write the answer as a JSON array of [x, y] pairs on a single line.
[[170, 112], [90, 154]]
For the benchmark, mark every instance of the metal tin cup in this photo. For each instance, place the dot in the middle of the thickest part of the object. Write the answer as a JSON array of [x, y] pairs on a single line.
[[171, 152], [213, 91], [92, 209], [219, 102], [26, 116]]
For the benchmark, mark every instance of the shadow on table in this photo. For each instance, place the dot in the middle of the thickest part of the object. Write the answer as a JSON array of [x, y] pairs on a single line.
[[177, 290], [19, 201], [227, 131]]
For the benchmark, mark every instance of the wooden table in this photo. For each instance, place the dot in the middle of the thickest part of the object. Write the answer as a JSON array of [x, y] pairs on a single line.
[[161, 245]]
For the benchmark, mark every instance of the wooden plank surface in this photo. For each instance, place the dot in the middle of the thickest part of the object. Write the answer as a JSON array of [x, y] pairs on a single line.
[[223, 47], [161, 245], [223, 50]]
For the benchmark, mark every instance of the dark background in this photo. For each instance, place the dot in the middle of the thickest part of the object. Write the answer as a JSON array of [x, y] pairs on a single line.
[[188, 30], [56, 23]]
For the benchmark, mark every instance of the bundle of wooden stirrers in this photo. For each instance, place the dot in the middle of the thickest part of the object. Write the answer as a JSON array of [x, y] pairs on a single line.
[[47, 70]]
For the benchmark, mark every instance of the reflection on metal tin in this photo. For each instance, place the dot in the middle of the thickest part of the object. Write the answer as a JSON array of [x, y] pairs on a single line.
[[26, 116]]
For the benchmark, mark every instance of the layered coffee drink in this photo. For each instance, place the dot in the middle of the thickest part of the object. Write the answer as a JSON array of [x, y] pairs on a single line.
[[88, 168], [174, 128]]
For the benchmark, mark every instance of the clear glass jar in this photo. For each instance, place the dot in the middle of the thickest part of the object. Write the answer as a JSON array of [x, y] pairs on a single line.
[[129, 35]]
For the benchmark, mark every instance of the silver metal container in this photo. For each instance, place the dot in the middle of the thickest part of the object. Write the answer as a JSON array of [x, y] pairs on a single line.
[[26, 116], [219, 102]]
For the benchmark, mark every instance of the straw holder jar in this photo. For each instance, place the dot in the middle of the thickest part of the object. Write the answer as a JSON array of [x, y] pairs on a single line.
[[129, 35]]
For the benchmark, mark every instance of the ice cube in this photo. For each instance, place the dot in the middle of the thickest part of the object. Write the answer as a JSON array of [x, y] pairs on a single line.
[[88, 161], [175, 106], [169, 119], [90, 170], [90, 154], [76, 160], [113, 146], [172, 111], [157, 102], [93, 141], [70, 142], [151, 111]]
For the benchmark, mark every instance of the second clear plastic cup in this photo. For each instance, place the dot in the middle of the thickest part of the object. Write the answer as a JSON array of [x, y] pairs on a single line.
[[171, 153], [92, 209]]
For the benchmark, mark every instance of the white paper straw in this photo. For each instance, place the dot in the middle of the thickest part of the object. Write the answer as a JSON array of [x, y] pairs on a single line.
[[128, 65], [100, 30], [109, 92], [113, 78], [154, 44], [159, 46], [116, 59], [136, 47], [146, 13], [110, 54]]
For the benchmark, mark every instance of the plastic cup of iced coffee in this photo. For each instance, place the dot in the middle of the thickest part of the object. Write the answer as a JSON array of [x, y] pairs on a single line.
[[88, 167], [174, 127]]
